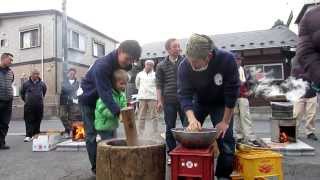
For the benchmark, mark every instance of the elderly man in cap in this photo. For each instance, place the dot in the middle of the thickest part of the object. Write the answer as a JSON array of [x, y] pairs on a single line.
[[208, 84], [147, 96], [32, 93]]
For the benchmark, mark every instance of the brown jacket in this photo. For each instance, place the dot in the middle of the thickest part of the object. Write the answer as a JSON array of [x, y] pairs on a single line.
[[308, 50]]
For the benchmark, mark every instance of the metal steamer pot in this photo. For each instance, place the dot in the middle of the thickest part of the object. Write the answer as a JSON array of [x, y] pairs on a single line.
[[199, 139]]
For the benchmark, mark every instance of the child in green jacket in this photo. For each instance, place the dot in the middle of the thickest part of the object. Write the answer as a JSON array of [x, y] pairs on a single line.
[[105, 123]]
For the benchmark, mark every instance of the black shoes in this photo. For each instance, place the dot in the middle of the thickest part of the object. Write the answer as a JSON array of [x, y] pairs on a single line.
[[4, 147], [93, 170], [240, 140], [312, 137]]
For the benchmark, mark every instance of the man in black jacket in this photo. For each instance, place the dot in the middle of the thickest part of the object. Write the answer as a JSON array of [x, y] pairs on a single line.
[[166, 82], [69, 108], [6, 96], [32, 93]]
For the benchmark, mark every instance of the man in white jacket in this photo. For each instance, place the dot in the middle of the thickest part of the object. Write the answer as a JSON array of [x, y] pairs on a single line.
[[147, 96]]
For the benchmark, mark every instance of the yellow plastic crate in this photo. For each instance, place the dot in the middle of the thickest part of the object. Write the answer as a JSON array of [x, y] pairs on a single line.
[[259, 164]]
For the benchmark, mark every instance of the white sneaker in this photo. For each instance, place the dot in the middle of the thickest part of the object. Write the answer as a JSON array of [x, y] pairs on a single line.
[[222, 178], [27, 139], [66, 136], [98, 138], [169, 161]]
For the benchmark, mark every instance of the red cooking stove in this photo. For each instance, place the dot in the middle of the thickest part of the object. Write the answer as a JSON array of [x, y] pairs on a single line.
[[192, 164]]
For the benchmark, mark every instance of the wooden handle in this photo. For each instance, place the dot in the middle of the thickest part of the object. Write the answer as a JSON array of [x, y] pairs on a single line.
[[129, 126]]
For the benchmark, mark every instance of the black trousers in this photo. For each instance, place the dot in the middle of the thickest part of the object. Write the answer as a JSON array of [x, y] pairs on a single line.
[[5, 117], [170, 117], [32, 116]]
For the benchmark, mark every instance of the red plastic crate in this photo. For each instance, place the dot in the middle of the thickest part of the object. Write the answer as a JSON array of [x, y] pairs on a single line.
[[192, 163]]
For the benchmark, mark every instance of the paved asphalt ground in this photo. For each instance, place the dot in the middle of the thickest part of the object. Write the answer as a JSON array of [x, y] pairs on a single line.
[[20, 163]]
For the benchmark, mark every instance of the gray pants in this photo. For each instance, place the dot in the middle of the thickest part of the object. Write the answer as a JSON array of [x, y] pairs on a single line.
[[306, 108], [242, 120], [68, 114], [147, 109]]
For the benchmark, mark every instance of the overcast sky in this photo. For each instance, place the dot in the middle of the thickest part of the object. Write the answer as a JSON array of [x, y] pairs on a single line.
[[156, 20]]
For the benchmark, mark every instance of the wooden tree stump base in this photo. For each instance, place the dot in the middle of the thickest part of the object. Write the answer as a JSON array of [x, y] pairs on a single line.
[[117, 161]]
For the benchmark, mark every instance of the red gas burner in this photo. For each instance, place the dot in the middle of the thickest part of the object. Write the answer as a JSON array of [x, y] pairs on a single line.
[[192, 164]]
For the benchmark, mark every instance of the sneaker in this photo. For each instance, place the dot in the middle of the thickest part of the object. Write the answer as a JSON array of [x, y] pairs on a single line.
[[27, 139], [66, 135], [222, 178], [98, 138], [312, 136], [4, 147], [240, 140], [254, 143]]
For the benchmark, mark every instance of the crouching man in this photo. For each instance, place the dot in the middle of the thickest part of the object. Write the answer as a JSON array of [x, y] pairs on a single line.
[[208, 84]]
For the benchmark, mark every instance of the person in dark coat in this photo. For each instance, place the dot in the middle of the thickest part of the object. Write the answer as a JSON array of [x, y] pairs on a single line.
[[32, 93], [306, 106], [69, 109], [308, 49], [208, 84], [131, 88], [97, 83]]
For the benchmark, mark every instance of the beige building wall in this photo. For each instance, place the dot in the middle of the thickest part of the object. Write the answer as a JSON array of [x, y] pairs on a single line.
[[76, 56], [10, 30], [25, 60]]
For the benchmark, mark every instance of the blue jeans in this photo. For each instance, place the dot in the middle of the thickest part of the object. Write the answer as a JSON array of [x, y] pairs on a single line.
[[226, 145], [170, 117], [107, 134], [87, 113]]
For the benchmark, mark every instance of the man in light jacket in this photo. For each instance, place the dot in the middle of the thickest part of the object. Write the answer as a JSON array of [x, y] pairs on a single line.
[[147, 96]]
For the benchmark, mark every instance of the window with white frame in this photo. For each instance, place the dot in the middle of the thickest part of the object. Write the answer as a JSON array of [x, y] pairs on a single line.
[[30, 37], [3, 43], [270, 71], [98, 49], [77, 41]]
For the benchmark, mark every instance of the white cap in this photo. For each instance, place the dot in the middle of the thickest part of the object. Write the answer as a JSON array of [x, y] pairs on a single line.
[[149, 61]]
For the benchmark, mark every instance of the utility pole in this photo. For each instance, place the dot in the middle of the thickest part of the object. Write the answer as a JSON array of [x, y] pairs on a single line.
[[64, 39]]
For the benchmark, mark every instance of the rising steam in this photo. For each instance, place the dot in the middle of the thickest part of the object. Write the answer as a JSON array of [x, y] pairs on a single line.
[[293, 89]]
